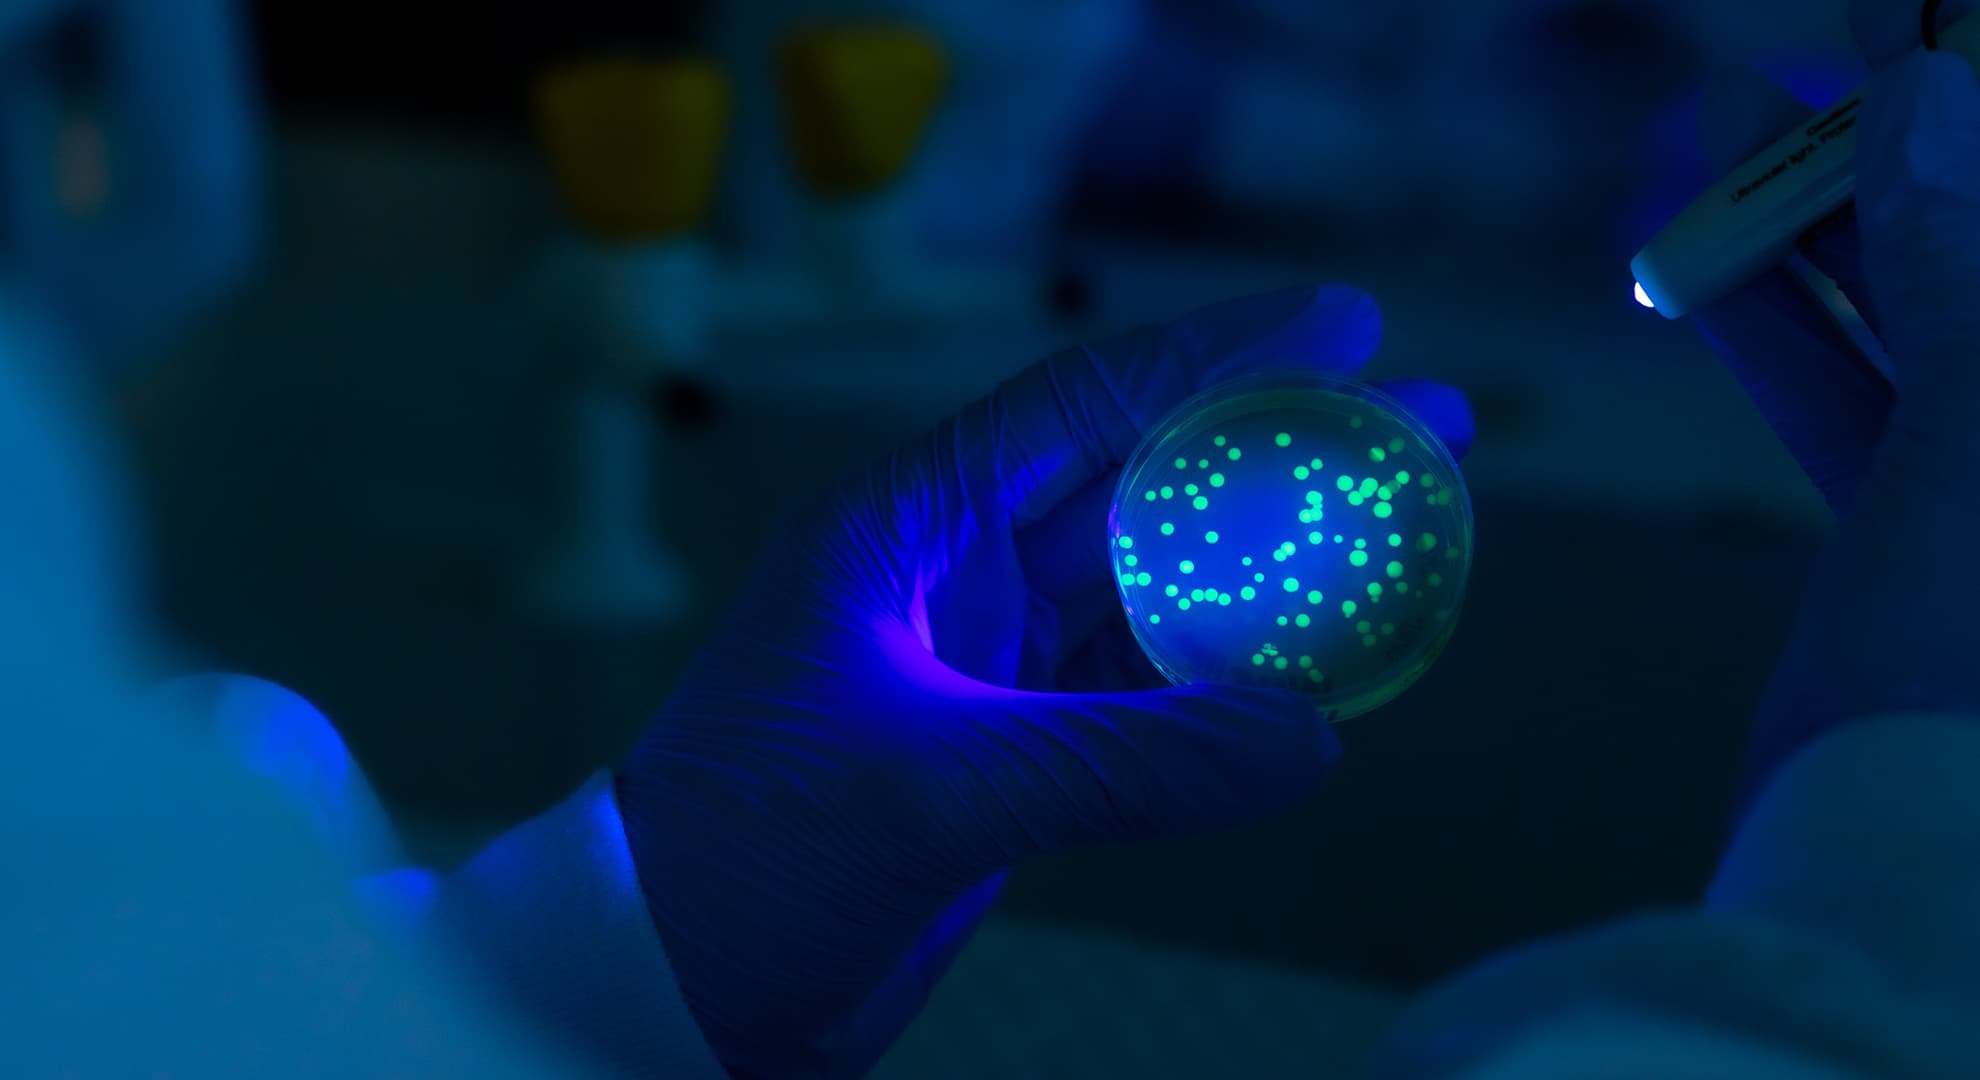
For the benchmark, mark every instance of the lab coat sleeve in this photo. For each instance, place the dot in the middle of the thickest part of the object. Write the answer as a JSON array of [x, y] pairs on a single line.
[[1871, 838], [1837, 938], [551, 914]]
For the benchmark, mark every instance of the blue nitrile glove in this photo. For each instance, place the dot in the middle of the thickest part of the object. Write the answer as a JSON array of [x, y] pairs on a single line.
[[1888, 622], [885, 722]]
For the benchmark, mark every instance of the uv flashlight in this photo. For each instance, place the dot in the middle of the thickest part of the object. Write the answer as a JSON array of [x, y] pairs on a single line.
[[1754, 220]]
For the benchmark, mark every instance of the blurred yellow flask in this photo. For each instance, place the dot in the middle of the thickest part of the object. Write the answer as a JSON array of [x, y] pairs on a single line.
[[636, 145], [857, 101]]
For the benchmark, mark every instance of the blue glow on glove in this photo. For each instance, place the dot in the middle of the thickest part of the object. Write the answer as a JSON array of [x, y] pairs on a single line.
[[931, 680]]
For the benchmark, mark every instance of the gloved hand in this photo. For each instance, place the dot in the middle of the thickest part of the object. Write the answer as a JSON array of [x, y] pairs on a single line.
[[827, 804], [1887, 624]]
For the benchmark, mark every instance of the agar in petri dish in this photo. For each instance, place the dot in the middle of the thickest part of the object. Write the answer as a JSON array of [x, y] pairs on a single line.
[[1295, 531]]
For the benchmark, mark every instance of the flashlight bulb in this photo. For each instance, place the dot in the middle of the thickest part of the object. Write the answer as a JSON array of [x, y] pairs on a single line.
[[1643, 297]]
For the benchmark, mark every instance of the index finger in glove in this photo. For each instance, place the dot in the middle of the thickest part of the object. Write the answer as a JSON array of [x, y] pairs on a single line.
[[1887, 31], [1070, 420], [1885, 34], [1919, 199]]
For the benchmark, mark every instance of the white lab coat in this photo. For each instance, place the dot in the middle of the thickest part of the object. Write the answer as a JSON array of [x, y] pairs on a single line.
[[176, 914]]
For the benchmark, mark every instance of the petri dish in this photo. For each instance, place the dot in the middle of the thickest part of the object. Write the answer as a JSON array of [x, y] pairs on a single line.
[[1300, 531]]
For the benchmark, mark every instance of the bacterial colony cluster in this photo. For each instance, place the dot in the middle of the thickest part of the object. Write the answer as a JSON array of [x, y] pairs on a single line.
[[1307, 534]]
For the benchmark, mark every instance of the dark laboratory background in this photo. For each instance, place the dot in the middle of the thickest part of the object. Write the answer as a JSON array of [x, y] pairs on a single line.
[[361, 486]]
